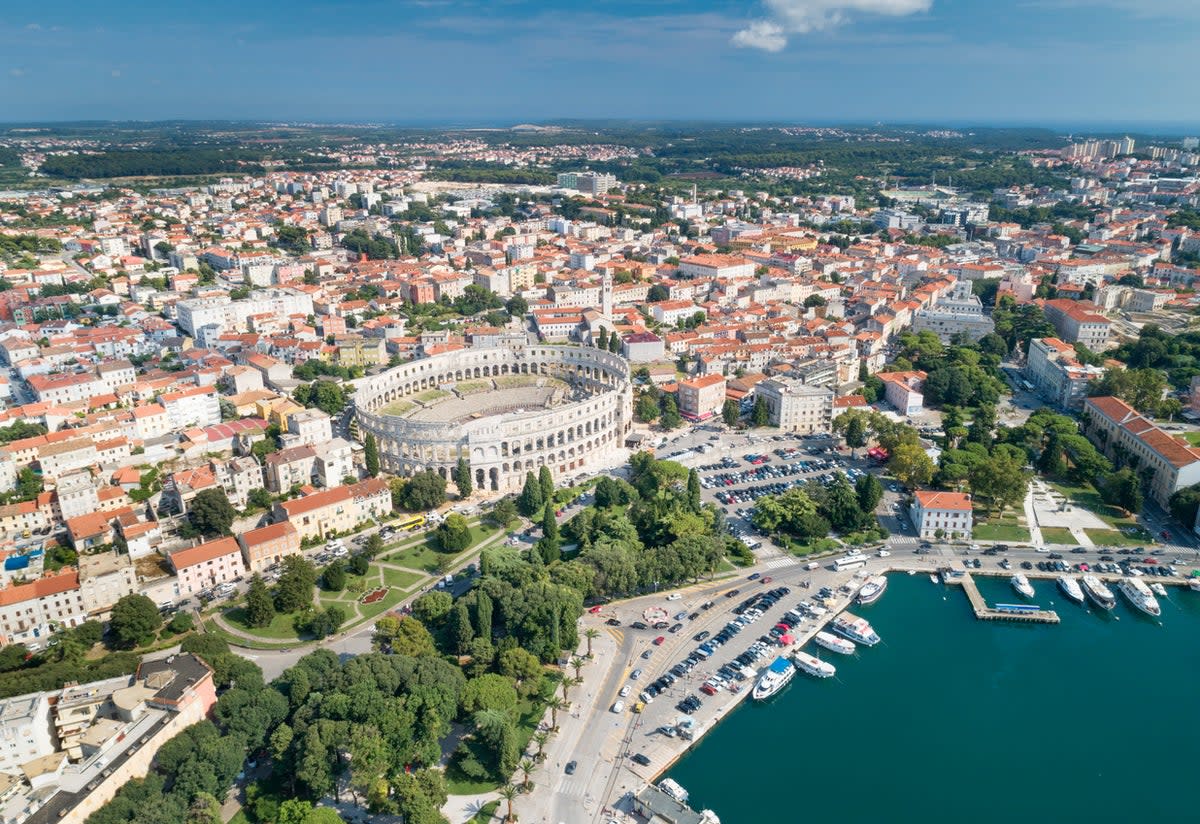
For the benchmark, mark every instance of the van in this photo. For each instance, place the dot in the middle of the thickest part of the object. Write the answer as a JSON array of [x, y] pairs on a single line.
[[811, 565], [448, 580]]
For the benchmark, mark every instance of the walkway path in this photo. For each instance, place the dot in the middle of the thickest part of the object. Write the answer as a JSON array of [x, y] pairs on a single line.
[[1035, 529]]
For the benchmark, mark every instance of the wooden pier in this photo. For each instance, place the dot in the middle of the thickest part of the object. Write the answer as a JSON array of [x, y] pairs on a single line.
[[985, 613]]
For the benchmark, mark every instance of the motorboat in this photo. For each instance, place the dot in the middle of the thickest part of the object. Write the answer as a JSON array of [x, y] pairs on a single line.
[[1098, 593], [834, 644], [872, 590], [778, 675], [1070, 588], [1138, 594], [1021, 584], [856, 629], [813, 665]]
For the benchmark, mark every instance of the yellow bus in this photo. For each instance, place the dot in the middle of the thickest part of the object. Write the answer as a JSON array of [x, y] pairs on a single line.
[[409, 524]]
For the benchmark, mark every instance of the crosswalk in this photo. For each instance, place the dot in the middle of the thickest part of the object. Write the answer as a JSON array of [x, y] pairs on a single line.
[[573, 787], [779, 563], [903, 539], [616, 633]]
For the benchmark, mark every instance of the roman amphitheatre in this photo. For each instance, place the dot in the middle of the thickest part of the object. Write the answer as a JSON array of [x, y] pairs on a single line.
[[507, 410]]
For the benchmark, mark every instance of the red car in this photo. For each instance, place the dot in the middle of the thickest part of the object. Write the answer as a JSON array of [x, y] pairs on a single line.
[[595, 609], [658, 642], [766, 580]]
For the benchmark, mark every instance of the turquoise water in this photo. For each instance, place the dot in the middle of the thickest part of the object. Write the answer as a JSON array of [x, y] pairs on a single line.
[[951, 719]]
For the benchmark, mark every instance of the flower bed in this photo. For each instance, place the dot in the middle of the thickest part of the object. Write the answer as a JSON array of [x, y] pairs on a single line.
[[374, 595]]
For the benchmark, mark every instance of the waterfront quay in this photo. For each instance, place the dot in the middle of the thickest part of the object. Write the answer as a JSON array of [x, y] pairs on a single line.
[[603, 743], [1009, 612]]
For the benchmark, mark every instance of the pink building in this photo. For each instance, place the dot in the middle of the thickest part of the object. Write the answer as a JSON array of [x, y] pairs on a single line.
[[204, 566]]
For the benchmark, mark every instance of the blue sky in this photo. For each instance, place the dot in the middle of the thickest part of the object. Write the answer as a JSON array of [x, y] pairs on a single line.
[[1058, 62]]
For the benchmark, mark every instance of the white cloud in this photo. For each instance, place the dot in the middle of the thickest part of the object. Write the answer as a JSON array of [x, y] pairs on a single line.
[[761, 34], [17, 72], [786, 17]]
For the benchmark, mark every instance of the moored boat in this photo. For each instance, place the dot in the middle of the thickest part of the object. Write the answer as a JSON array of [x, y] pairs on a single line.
[[1021, 584], [1070, 588], [1138, 594], [778, 675], [856, 629], [872, 590], [813, 665], [1194, 584], [1098, 593], [1158, 589], [834, 644]]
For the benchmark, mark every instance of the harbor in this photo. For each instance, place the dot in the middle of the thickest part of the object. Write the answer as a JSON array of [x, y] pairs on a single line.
[[879, 712], [659, 755]]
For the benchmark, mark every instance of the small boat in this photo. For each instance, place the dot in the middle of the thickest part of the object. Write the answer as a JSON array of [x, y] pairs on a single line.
[[834, 644], [872, 590], [1138, 594], [1070, 588], [1194, 584], [777, 676], [1158, 589], [856, 629], [1021, 584], [934, 578], [813, 665], [1098, 593]]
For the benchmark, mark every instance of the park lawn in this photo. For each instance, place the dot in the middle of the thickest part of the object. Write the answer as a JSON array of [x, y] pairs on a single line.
[[530, 715], [211, 628], [1110, 537], [240, 818], [424, 556], [1089, 499], [1057, 535], [280, 627], [1000, 532], [399, 578], [432, 395], [1192, 437]]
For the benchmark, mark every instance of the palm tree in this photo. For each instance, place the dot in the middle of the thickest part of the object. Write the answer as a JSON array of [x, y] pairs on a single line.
[[527, 767], [541, 738], [555, 704], [567, 683], [590, 633], [508, 792], [577, 664]]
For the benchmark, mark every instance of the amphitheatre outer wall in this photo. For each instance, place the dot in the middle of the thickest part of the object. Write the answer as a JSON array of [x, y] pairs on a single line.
[[586, 432]]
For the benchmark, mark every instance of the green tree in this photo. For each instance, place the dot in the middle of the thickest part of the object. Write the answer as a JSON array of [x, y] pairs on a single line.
[[135, 619], [531, 500], [334, 577], [432, 607], [412, 639], [693, 490], [657, 293], [462, 477], [546, 482], [730, 412], [646, 408], [294, 590], [454, 535], [1123, 489], [602, 339], [517, 306], [1000, 480], [856, 432], [424, 490], [614, 343], [371, 455], [869, 491], [549, 545], [460, 628], [911, 466], [760, 415], [1183, 505], [210, 512], [503, 512], [260, 608], [669, 417]]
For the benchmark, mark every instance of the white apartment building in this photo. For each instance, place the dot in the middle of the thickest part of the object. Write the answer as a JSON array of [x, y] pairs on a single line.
[[796, 406], [25, 731], [195, 406], [66, 388], [1078, 322], [104, 579], [335, 461], [1127, 438], [942, 514], [716, 266], [1056, 373], [960, 312], [32, 611], [195, 314], [308, 426]]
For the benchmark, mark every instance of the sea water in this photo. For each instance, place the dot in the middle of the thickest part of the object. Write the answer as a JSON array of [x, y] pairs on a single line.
[[951, 719]]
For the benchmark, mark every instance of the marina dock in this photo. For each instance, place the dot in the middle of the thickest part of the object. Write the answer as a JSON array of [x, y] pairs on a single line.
[[1000, 612]]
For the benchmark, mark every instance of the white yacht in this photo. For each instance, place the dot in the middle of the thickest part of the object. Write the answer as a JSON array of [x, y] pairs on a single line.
[[813, 665], [856, 629], [1070, 588], [1021, 584], [1138, 594], [834, 644], [1194, 584], [1158, 589], [777, 676], [1098, 593], [872, 590]]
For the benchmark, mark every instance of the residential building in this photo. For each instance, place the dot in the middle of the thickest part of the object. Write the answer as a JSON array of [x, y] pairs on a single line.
[[287, 467], [642, 347], [959, 313], [105, 578], [269, 545], [36, 609], [701, 398], [195, 406], [308, 426], [25, 731], [797, 407], [1054, 370], [719, 267], [336, 510], [335, 461], [1078, 322], [1165, 464], [207, 565], [903, 390], [942, 514]]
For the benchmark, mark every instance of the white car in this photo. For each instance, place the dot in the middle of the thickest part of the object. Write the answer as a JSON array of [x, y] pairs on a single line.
[[883, 553], [625, 690], [674, 596], [618, 707]]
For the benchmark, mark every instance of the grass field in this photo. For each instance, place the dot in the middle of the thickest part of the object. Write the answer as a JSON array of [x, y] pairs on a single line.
[[424, 556], [399, 579], [1057, 535], [280, 627], [1192, 437], [1109, 537], [1089, 499], [1000, 532], [397, 408], [486, 813]]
